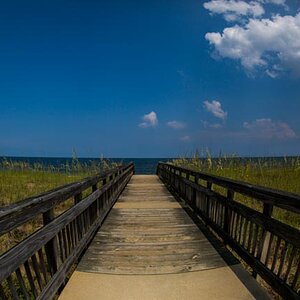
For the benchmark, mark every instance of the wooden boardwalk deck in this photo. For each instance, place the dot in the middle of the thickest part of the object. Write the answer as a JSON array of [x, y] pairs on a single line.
[[147, 233]]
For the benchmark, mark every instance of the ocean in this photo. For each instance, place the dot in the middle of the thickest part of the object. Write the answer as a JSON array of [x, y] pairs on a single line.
[[142, 165]]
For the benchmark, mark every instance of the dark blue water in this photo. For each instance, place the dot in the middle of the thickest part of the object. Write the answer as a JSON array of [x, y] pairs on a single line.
[[142, 165]]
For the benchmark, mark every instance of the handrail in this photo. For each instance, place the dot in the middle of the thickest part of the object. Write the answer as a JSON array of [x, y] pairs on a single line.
[[270, 247], [37, 266], [14, 215], [285, 200]]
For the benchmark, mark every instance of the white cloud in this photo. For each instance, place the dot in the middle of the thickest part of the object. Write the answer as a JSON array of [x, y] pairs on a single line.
[[268, 129], [273, 74], [234, 9], [272, 44], [185, 138], [176, 125], [215, 108], [150, 120]]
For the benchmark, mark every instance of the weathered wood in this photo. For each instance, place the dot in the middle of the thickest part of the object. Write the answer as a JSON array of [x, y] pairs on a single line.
[[285, 231], [138, 237], [59, 277], [296, 277], [276, 283], [139, 240], [43, 265], [16, 214], [30, 279], [59, 237], [267, 212], [51, 247], [22, 284], [248, 232], [227, 213], [286, 200], [20, 253], [37, 271], [290, 263]]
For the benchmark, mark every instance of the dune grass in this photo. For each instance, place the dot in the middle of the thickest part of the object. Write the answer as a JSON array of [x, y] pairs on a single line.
[[280, 174], [20, 180], [18, 185]]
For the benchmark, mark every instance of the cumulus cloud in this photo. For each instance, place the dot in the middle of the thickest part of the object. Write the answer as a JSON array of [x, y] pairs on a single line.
[[185, 138], [176, 125], [149, 120], [234, 9], [266, 128], [215, 108], [271, 44]]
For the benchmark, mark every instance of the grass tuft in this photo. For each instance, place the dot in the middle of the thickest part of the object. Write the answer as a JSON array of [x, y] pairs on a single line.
[[277, 173]]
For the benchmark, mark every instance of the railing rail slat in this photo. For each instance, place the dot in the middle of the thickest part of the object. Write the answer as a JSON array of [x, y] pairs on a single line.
[[47, 255], [14, 215], [260, 240], [286, 200]]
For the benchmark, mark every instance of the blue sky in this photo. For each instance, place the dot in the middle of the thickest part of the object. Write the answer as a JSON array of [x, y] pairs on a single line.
[[149, 78]]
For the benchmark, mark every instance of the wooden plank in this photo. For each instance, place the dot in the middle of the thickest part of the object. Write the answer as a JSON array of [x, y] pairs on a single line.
[[59, 277], [150, 269], [204, 262], [30, 279], [22, 284], [242, 214], [147, 228], [140, 238], [145, 250], [18, 255]]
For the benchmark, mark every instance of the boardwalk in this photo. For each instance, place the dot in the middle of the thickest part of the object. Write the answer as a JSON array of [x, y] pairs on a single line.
[[149, 248]]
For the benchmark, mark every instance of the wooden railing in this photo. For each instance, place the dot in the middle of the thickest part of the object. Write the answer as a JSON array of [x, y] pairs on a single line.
[[37, 267], [270, 247]]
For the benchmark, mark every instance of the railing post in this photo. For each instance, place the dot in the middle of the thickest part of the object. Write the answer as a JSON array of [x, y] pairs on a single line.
[[266, 235], [93, 213], [267, 211], [227, 212], [94, 187], [183, 186], [194, 194], [77, 198], [179, 183], [80, 222], [51, 248], [209, 186]]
